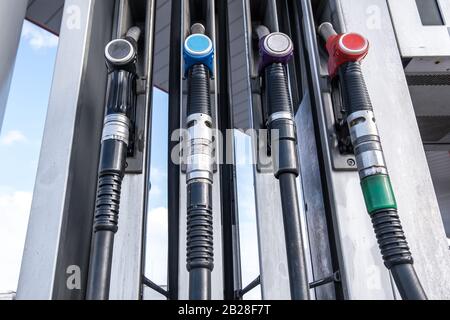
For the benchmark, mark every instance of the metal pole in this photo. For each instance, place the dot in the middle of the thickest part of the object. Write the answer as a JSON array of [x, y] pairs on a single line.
[[11, 16], [173, 169], [229, 201], [60, 226]]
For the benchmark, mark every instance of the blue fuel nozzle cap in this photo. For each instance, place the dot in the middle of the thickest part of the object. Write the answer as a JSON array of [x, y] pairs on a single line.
[[198, 48]]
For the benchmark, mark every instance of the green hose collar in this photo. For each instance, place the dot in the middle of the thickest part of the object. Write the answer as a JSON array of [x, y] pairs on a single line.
[[378, 193]]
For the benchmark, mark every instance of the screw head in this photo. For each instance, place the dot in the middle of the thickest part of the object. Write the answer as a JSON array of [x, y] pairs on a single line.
[[351, 162]]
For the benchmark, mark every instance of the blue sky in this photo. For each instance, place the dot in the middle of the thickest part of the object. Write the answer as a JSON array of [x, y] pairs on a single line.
[[20, 142]]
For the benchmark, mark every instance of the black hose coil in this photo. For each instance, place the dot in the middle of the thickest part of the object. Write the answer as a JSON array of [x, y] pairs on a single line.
[[199, 96], [200, 227], [108, 202], [391, 238]]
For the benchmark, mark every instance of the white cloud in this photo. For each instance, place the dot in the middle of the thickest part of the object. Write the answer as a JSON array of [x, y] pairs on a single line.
[[37, 37], [12, 137], [156, 255], [14, 213]]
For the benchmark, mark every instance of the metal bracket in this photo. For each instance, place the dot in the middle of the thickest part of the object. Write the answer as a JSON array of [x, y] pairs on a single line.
[[341, 149], [135, 153], [255, 83], [148, 283], [335, 277], [141, 85], [252, 285], [263, 139]]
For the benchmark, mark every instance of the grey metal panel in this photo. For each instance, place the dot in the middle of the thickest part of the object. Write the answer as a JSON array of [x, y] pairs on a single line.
[[126, 270], [272, 249], [60, 224], [405, 157], [316, 219], [162, 41], [46, 13], [12, 20], [439, 163], [238, 65], [415, 39], [431, 101]]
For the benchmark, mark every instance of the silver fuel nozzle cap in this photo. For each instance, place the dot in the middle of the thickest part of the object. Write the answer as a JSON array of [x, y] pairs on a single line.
[[278, 44], [120, 52]]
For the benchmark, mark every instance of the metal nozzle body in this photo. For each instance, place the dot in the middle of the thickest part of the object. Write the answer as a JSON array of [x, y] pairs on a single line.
[[326, 30], [198, 28]]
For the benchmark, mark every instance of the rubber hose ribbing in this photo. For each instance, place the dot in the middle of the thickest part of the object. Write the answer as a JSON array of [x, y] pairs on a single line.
[[200, 227], [279, 99], [396, 254], [108, 202], [356, 95], [284, 147], [199, 96], [391, 238]]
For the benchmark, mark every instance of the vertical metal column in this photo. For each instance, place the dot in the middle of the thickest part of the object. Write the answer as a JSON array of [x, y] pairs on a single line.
[[323, 262], [11, 16], [417, 205], [173, 174], [60, 226], [229, 200]]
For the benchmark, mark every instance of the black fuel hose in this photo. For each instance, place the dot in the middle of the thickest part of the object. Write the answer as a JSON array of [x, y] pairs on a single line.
[[346, 51], [284, 153], [377, 189], [121, 57], [199, 172]]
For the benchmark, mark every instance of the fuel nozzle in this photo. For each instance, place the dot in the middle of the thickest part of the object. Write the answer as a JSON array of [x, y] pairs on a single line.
[[342, 48], [346, 51], [198, 49], [276, 47], [122, 53]]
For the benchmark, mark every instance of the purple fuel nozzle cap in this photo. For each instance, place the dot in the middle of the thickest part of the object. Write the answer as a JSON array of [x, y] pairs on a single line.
[[276, 47]]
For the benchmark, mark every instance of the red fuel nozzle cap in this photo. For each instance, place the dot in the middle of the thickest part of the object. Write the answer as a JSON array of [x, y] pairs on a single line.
[[353, 44], [343, 48]]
